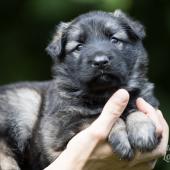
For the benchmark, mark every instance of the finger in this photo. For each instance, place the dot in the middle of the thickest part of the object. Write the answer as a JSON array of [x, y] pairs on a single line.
[[165, 134], [144, 166], [152, 164], [111, 112], [146, 108]]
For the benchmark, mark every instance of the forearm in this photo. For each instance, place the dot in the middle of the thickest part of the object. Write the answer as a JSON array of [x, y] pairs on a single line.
[[70, 160]]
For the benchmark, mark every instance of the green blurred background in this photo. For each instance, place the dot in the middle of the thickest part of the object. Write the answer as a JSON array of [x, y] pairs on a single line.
[[26, 27]]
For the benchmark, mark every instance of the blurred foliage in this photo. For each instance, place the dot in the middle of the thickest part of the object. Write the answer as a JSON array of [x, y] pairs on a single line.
[[26, 27]]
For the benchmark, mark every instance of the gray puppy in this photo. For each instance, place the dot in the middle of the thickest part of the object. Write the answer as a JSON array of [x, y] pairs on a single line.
[[94, 55]]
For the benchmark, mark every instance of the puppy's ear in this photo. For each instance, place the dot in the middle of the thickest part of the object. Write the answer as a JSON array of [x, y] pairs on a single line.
[[137, 27], [54, 49]]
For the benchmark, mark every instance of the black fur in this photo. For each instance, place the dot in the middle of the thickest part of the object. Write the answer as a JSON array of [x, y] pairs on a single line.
[[94, 55]]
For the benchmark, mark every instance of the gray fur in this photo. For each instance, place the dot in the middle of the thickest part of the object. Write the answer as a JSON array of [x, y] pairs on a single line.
[[94, 55]]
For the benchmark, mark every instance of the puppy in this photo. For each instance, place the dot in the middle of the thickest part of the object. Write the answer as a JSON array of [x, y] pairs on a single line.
[[94, 55]]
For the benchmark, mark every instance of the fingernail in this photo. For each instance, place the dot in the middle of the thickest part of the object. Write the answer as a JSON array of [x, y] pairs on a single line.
[[122, 95], [141, 99]]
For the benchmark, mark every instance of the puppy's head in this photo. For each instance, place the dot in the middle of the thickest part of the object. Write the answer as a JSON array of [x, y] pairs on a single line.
[[99, 50]]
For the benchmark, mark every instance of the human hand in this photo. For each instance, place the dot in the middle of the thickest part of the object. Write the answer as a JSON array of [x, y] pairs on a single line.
[[103, 157]]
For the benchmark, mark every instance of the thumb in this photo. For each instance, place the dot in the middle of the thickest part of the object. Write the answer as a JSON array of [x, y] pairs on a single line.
[[111, 112]]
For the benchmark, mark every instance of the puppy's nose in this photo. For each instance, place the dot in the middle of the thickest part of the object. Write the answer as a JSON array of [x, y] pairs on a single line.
[[100, 61]]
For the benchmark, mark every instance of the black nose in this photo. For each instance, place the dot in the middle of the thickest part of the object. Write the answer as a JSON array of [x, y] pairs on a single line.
[[100, 61]]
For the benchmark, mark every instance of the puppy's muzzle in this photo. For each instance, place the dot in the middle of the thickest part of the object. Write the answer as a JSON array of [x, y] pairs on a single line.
[[101, 61], [106, 71]]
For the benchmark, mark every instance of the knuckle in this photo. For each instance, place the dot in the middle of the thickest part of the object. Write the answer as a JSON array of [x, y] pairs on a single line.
[[159, 130], [118, 108]]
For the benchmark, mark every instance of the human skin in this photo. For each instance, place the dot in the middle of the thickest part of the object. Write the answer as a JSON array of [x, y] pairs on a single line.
[[89, 150]]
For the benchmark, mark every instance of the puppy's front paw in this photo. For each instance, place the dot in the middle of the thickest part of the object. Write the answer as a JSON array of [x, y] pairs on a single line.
[[118, 139], [141, 132]]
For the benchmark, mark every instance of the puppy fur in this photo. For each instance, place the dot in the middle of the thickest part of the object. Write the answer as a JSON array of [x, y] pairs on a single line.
[[94, 55]]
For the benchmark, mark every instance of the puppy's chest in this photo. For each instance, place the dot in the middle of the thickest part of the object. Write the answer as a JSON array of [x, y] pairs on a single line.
[[84, 110], [93, 109]]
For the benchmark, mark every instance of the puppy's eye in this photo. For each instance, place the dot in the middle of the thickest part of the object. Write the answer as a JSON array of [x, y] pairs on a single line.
[[117, 42], [79, 47], [114, 40]]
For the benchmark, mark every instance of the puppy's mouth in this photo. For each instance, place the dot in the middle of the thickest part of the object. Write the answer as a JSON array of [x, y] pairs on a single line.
[[110, 76], [107, 77], [104, 80]]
